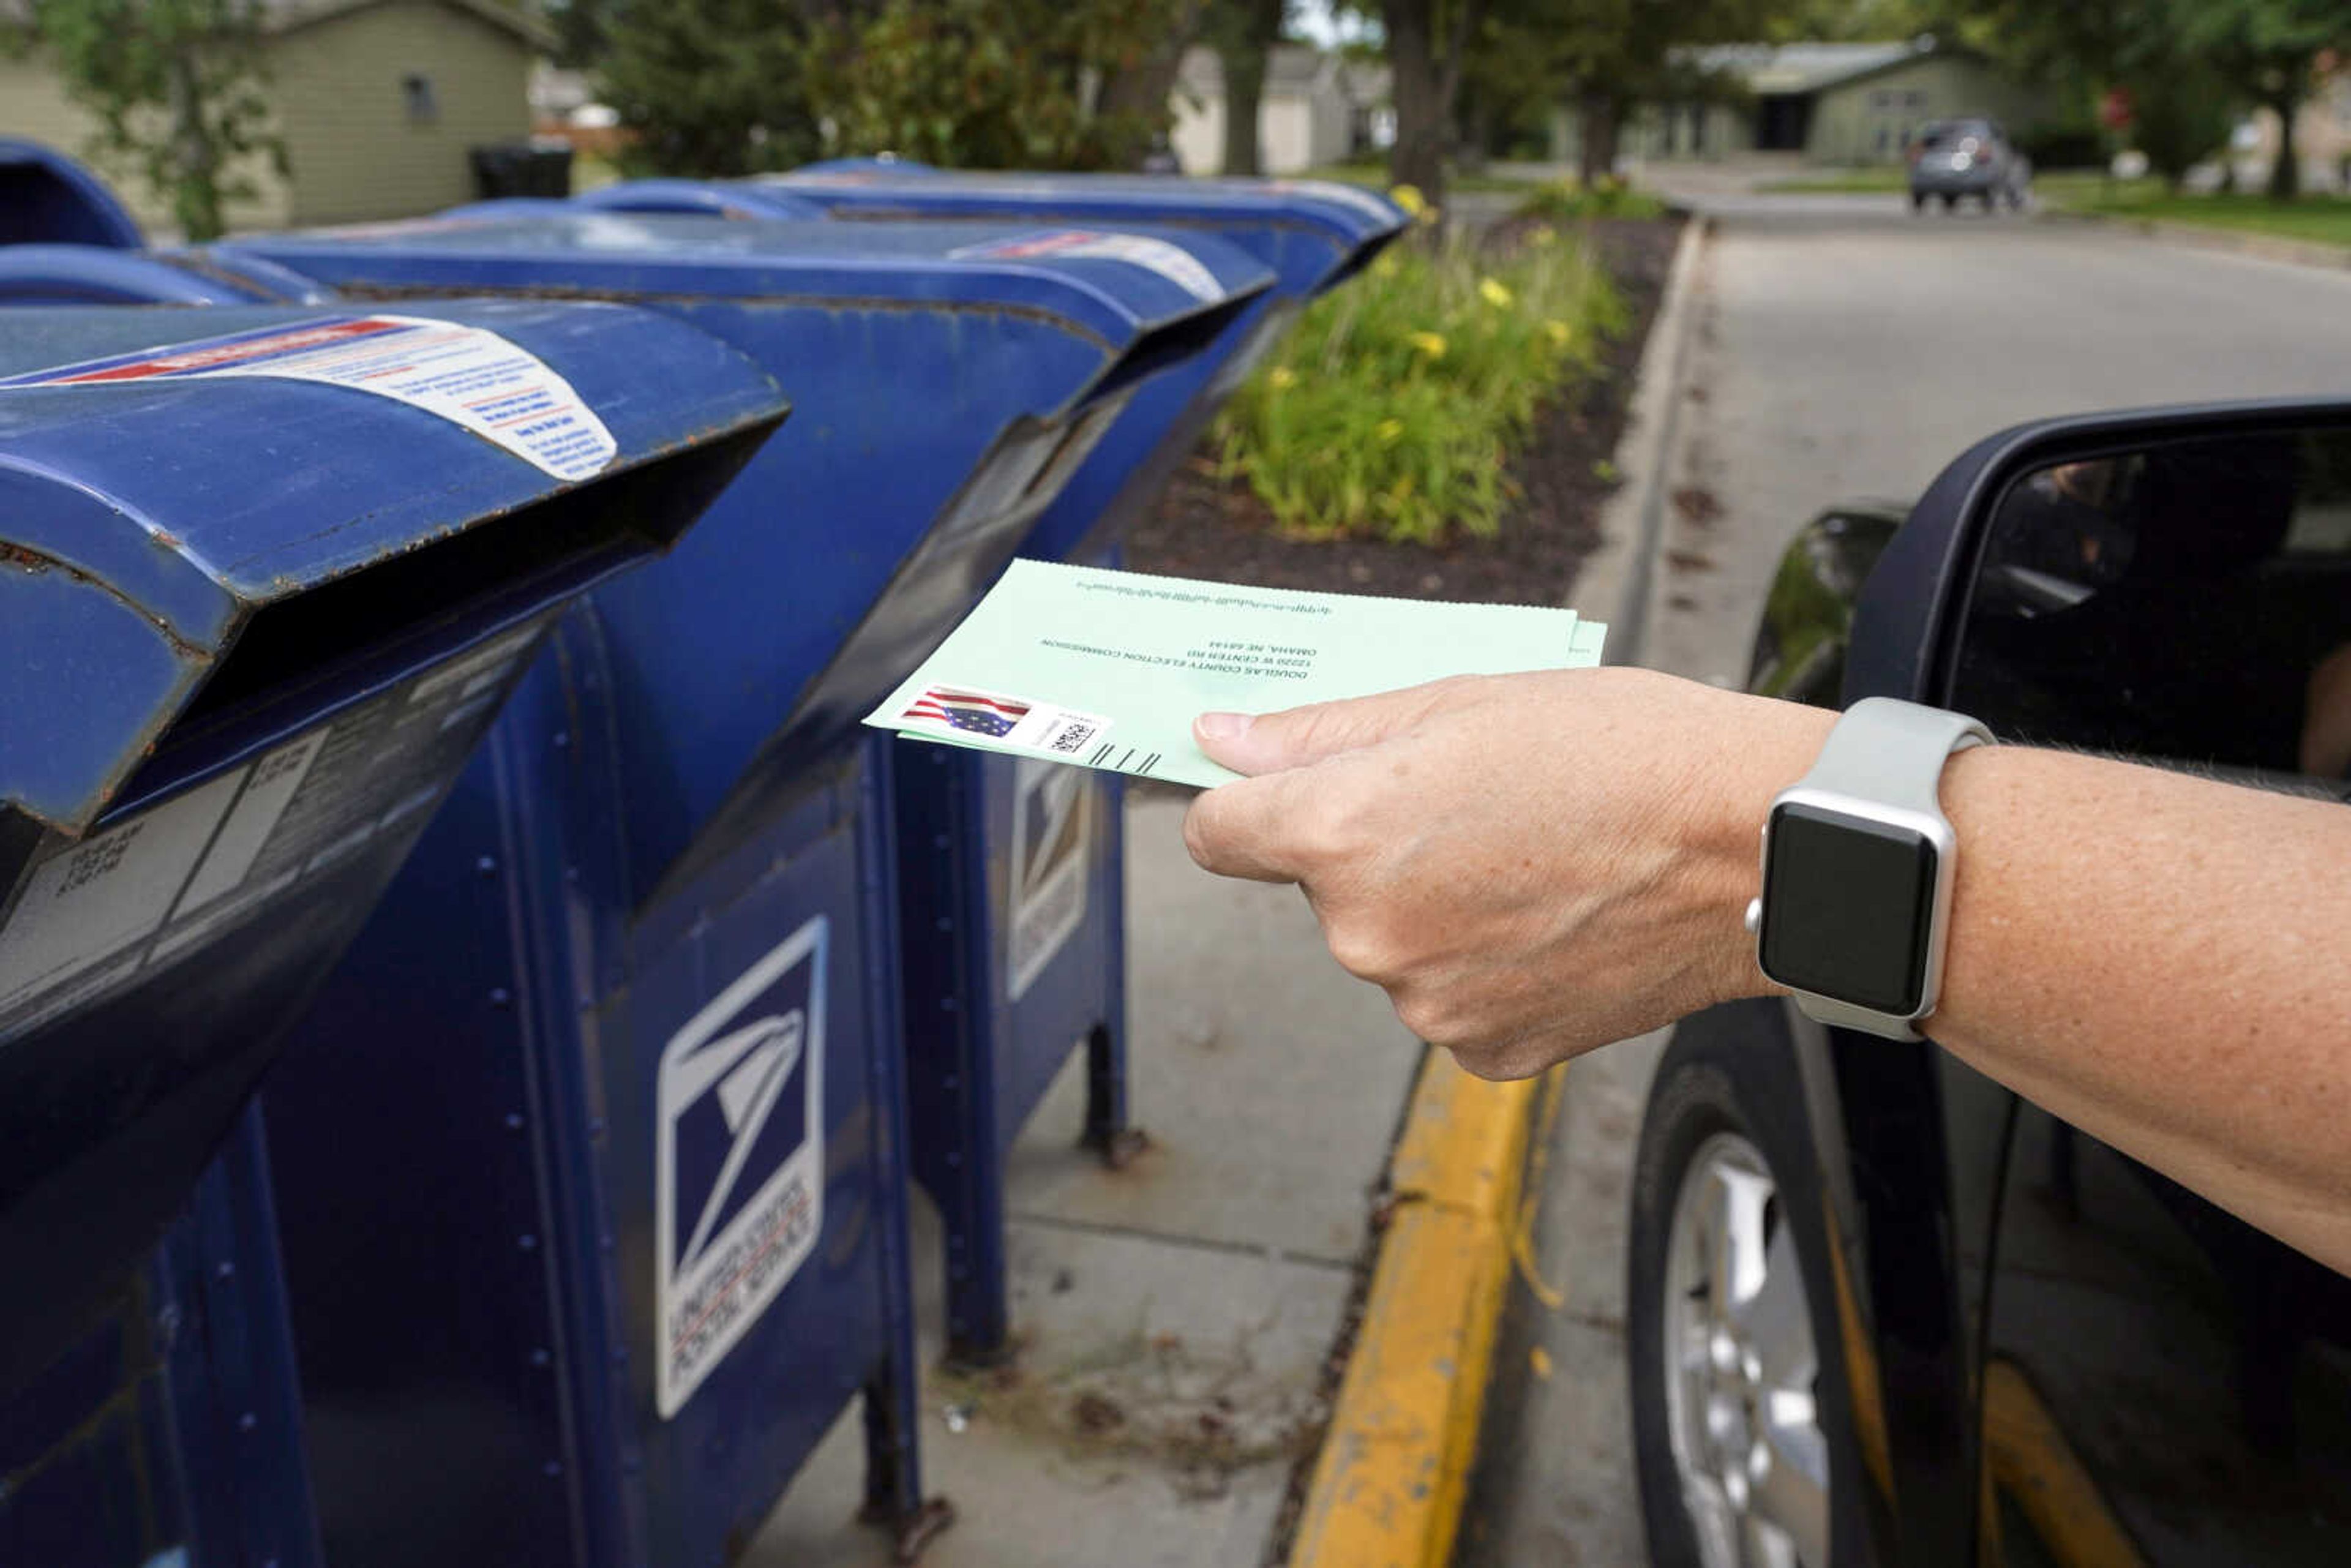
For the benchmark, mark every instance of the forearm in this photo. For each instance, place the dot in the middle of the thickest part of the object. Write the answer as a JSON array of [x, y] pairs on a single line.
[[2157, 958]]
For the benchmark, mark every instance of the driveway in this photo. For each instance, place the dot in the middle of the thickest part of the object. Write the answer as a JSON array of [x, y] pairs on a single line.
[[1839, 347]]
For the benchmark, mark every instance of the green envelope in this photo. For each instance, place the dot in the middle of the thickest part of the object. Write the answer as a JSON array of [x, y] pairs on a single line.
[[1108, 669]]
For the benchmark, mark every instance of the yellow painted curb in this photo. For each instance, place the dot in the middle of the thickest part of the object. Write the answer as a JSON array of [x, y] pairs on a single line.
[[1387, 1488]]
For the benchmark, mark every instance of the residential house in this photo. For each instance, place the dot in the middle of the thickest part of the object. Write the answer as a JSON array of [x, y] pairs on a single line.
[[1833, 103], [1317, 108], [376, 103]]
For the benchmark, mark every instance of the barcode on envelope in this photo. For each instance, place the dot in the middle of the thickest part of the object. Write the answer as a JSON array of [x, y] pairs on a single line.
[[1070, 735]]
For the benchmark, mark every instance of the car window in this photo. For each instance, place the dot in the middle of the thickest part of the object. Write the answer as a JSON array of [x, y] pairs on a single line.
[[2182, 603]]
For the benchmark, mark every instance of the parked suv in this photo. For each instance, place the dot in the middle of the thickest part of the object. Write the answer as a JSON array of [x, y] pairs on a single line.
[[1880, 1310], [1955, 158]]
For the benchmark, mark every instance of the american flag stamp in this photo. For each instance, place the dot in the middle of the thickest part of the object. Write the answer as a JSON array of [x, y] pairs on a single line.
[[965, 712]]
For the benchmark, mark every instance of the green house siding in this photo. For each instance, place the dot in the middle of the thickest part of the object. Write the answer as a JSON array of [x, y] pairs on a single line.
[[1871, 119], [377, 107]]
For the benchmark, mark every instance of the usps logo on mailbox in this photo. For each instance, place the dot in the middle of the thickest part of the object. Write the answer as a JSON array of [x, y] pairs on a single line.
[[1052, 818], [738, 1187]]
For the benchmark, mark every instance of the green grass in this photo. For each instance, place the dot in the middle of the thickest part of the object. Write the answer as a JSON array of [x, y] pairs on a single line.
[[1375, 176], [2322, 217], [1873, 179], [1393, 407]]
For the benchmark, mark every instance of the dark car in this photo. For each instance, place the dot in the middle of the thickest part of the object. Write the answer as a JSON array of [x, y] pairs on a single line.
[[1955, 158], [1882, 1311]]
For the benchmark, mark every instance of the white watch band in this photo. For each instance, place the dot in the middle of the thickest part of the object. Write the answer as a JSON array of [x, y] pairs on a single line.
[[1892, 752], [1886, 752]]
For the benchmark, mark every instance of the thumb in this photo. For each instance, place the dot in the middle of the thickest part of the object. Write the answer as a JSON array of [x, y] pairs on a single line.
[[1293, 738]]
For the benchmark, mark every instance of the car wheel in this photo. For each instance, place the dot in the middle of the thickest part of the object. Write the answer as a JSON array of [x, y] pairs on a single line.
[[1950, 201], [1736, 1413], [1917, 201]]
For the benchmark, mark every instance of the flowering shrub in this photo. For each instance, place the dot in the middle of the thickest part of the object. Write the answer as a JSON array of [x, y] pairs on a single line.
[[1392, 408]]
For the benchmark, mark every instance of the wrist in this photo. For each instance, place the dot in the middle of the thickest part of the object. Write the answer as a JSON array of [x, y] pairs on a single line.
[[1771, 745]]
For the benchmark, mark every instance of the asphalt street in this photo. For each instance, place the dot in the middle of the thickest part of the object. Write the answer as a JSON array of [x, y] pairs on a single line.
[[1840, 348]]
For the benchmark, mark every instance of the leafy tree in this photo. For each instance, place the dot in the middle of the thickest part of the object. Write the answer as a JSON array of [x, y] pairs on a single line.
[[1000, 83], [731, 87], [578, 25], [176, 86], [1243, 32], [710, 88], [1605, 57], [2182, 112], [2182, 107], [2268, 50]]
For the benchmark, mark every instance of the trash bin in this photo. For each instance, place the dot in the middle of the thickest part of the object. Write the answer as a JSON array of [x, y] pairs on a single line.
[[1038, 959], [535, 167], [266, 575], [47, 197], [662, 1206]]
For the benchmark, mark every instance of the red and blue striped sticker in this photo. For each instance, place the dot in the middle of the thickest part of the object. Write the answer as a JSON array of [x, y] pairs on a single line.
[[470, 377]]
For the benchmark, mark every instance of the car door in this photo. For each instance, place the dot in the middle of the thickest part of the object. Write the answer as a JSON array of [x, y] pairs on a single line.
[[2159, 1383]]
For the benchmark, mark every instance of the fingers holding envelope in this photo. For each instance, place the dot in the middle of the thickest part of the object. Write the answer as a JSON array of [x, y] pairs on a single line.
[[1530, 865]]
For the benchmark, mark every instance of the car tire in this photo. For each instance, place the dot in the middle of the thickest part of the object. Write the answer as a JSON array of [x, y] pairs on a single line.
[[1917, 201], [1726, 1130], [1950, 201]]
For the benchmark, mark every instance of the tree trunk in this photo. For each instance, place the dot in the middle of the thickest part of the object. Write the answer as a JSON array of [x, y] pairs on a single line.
[[1243, 50], [1143, 89], [196, 161], [1422, 115], [1598, 117], [1426, 84], [1244, 96], [2285, 174]]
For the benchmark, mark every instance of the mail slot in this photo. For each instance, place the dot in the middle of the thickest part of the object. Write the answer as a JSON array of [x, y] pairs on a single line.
[[46, 196], [266, 576]]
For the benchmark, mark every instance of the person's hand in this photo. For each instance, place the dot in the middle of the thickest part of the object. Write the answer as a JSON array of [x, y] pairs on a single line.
[[1530, 865]]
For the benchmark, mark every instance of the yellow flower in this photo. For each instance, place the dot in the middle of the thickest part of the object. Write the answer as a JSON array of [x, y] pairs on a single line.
[[1389, 430], [1495, 292], [1409, 198], [1282, 378], [1430, 343], [1559, 331], [1385, 268]]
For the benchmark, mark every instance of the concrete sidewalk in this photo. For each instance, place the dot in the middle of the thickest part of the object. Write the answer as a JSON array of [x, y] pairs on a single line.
[[1176, 1314]]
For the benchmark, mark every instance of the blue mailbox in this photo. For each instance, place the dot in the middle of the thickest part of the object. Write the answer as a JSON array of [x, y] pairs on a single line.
[[660, 1239], [46, 196], [1039, 962], [266, 575], [1015, 950], [73, 274]]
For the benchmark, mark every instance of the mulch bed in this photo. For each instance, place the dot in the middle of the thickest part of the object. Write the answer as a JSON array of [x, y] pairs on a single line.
[[1205, 528]]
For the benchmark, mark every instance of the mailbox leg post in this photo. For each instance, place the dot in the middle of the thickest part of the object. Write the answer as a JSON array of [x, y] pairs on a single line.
[[1108, 1131], [893, 1465]]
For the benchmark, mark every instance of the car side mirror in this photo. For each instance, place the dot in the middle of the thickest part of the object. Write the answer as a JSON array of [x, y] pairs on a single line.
[[2172, 584]]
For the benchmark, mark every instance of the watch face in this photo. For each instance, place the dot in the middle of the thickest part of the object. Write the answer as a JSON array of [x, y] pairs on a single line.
[[1847, 907]]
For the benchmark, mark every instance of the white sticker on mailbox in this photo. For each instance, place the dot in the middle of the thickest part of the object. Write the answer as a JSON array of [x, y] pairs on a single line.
[[1172, 262], [738, 1172], [1053, 822], [463, 375]]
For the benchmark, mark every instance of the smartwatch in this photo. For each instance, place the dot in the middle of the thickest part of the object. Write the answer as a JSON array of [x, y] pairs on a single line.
[[1857, 868]]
